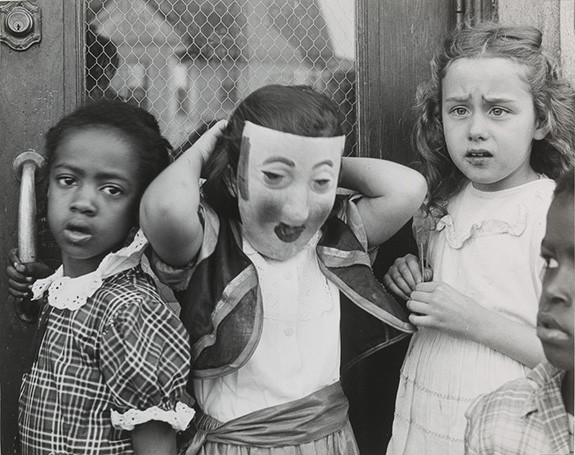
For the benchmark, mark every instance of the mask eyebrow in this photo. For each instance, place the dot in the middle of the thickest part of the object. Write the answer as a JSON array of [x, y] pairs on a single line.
[[322, 163], [280, 159]]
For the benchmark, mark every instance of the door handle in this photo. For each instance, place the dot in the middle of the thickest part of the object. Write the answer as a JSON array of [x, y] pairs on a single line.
[[26, 166]]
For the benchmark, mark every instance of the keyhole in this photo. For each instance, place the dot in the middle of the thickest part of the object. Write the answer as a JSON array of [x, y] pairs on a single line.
[[19, 22]]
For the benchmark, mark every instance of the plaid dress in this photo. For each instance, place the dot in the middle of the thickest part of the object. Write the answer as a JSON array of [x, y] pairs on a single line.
[[123, 350]]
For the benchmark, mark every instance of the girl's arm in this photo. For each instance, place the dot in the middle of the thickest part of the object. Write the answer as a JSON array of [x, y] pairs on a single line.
[[154, 438], [393, 194], [169, 207], [439, 306]]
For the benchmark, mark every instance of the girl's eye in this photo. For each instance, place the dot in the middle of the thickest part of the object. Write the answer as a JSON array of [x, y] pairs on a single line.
[[459, 111], [112, 190], [498, 112], [551, 263], [65, 180]]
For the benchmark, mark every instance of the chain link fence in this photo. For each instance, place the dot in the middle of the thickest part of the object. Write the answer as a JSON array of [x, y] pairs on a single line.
[[190, 62]]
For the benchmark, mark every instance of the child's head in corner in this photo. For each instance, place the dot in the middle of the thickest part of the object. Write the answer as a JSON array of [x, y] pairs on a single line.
[[100, 158], [496, 111], [556, 316], [276, 167]]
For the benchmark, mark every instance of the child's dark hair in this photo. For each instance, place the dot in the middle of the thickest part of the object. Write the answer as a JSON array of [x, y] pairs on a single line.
[[292, 109], [141, 127], [553, 98], [566, 185]]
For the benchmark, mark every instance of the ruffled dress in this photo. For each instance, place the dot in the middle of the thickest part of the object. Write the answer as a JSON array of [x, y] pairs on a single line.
[[112, 356], [488, 248]]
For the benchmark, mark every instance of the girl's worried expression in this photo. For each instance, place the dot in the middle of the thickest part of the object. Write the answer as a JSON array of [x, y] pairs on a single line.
[[286, 187], [489, 121], [92, 196]]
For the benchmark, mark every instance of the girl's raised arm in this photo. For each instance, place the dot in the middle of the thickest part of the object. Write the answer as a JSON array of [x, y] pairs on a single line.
[[169, 208], [393, 194]]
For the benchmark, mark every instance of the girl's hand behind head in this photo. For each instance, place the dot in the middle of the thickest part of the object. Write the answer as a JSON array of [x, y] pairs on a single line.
[[206, 143]]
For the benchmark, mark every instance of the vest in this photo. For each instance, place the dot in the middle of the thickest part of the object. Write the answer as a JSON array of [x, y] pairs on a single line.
[[222, 305]]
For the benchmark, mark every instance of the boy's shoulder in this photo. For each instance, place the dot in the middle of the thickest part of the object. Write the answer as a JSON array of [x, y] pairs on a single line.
[[513, 396], [527, 412]]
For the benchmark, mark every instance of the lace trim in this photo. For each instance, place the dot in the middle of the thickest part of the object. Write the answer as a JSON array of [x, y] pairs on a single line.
[[71, 293], [487, 227], [178, 418]]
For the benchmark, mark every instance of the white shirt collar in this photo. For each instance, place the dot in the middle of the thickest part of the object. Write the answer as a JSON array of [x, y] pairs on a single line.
[[71, 293]]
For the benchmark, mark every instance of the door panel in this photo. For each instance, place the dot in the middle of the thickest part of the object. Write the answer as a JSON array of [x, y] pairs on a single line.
[[37, 86]]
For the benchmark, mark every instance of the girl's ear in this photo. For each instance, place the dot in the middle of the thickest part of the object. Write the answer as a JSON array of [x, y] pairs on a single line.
[[541, 129], [231, 182]]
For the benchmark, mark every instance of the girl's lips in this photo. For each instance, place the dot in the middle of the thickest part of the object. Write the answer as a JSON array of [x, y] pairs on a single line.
[[287, 233], [549, 331], [77, 234], [478, 153], [552, 335], [478, 157]]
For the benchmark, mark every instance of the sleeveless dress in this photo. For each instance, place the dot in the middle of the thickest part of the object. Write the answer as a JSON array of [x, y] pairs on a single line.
[[487, 248]]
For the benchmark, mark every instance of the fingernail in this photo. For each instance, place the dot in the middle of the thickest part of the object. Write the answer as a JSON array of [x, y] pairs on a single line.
[[28, 279]]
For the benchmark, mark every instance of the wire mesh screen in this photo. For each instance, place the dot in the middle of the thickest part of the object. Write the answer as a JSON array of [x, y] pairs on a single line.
[[190, 62]]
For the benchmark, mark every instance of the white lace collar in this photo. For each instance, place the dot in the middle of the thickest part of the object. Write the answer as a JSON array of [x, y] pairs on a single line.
[[71, 293]]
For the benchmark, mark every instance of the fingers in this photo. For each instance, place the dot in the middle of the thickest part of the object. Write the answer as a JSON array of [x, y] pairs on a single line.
[[403, 276], [416, 306], [208, 140], [420, 320], [392, 287], [15, 260], [411, 268], [428, 274]]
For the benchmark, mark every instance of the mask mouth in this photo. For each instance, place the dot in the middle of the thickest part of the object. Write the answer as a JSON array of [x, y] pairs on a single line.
[[287, 233]]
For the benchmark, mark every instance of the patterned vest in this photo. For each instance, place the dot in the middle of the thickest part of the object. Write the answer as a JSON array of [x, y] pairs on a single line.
[[222, 305]]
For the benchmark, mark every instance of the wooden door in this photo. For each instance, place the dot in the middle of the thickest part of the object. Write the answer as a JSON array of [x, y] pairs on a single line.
[[37, 86]]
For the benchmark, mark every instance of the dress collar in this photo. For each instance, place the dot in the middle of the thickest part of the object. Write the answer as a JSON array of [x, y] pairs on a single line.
[[71, 293]]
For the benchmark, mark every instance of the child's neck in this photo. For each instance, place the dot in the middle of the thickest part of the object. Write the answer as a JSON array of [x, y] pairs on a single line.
[[74, 268], [567, 391]]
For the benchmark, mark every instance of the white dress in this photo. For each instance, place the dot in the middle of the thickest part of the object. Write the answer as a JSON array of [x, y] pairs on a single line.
[[488, 248]]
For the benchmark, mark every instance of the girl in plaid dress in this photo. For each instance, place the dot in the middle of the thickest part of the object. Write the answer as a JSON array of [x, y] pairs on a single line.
[[113, 359]]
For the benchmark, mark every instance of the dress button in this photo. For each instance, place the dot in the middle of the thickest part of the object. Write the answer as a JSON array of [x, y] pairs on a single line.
[[288, 332]]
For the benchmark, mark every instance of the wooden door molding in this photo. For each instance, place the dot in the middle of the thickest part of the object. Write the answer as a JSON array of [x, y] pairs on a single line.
[[37, 87], [396, 40]]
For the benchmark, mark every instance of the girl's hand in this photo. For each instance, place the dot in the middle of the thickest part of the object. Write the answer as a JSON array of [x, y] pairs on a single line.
[[204, 146], [404, 275], [439, 306], [22, 276]]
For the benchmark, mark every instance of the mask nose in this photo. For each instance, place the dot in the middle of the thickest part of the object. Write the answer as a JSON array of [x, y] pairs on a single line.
[[296, 207]]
